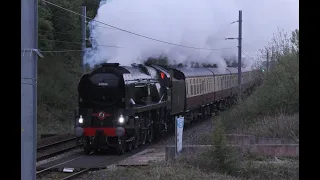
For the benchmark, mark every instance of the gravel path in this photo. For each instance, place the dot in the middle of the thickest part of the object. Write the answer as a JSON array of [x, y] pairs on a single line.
[[194, 134]]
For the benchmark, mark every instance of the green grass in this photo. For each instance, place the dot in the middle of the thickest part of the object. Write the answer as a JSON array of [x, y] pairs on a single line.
[[199, 169], [163, 171]]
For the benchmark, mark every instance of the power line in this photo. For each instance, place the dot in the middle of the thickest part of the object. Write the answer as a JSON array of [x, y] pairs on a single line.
[[63, 33], [247, 55], [70, 42], [60, 51], [146, 37], [102, 26], [115, 29]]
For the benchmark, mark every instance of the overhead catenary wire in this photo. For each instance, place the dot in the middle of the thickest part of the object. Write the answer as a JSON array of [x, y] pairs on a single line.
[[71, 42], [63, 50], [247, 55], [133, 33], [54, 32], [60, 51]]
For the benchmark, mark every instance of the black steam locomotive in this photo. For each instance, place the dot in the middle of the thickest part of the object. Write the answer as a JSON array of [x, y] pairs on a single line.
[[122, 107]]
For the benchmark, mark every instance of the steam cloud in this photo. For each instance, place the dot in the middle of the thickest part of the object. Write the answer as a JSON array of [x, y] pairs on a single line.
[[202, 23]]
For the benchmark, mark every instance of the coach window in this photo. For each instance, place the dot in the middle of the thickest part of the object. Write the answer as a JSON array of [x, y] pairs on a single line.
[[187, 88], [200, 86], [212, 84], [233, 81], [227, 82], [204, 85], [216, 83], [207, 84], [221, 82], [197, 88], [192, 87], [198, 83]]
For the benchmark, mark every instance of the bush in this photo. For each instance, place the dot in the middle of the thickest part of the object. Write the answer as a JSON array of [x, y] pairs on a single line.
[[282, 126], [57, 93], [220, 158], [279, 92]]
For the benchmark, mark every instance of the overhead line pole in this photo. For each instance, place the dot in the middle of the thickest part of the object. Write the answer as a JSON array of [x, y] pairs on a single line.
[[239, 52], [29, 53], [84, 36]]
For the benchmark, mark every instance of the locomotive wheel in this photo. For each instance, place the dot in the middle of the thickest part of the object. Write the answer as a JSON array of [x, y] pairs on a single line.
[[150, 135], [129, 146], [120, 148], [86, 150], [96, 151], [135, 142], [143, 138], [86, 146]]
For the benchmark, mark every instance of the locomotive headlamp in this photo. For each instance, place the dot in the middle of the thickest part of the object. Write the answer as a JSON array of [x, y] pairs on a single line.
[[80, 119], [121, 119]]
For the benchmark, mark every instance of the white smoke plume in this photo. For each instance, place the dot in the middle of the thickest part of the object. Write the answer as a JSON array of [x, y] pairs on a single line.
[[202, 24]]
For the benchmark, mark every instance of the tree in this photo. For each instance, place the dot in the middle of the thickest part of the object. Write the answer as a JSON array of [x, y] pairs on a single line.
[[59, 73]]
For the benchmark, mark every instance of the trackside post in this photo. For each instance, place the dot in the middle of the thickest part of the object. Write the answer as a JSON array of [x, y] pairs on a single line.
[[179, 124]]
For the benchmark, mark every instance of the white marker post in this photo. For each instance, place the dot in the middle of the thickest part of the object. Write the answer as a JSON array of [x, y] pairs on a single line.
[[179, 132]]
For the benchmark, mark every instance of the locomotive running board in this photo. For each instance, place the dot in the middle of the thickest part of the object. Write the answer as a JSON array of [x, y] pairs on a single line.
[[134, 110]]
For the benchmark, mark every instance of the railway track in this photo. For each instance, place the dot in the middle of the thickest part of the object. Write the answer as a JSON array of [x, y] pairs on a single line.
[[56, 171], [56, 145]]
